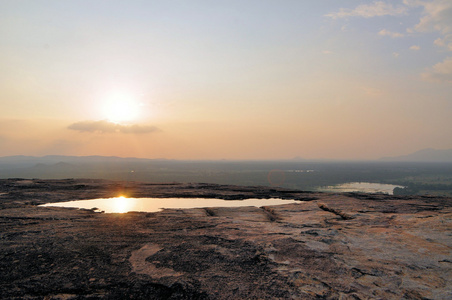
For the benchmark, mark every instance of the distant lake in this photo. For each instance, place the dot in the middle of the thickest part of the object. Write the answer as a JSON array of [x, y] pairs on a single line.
[[123, 205], [364, 187]]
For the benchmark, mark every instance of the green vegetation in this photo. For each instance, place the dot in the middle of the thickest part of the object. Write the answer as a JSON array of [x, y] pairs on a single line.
[[435, 185]]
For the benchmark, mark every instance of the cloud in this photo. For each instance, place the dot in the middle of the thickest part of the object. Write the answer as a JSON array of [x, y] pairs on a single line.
[[440, 72], [110, 127], [433, 16], [436, 16], [138, 129], [439, 42], [445, 42], [376, 9], [385, 32]]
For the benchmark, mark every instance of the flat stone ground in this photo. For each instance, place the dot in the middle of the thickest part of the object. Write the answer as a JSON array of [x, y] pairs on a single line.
[[327, 246]]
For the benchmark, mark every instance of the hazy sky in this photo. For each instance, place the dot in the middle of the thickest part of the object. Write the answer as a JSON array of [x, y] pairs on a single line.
[[229, 79]]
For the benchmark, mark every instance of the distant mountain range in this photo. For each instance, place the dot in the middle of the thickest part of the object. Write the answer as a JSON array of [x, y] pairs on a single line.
[[29, 161], [61, 162], [425, 155]]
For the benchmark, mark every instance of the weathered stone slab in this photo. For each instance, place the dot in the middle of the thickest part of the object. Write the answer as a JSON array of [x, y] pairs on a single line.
[[329, 246]]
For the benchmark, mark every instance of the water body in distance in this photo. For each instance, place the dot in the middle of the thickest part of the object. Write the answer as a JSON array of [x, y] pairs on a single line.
[[122, 204], [364, 187]]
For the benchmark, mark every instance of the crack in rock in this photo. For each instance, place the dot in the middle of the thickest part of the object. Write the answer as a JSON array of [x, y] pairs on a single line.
[[339, 213]]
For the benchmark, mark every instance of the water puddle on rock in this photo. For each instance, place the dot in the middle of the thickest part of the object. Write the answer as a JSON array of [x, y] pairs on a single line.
[[364, 187], [123, 205]]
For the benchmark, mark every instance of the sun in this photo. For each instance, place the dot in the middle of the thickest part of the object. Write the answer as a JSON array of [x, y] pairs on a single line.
[[121, 108]]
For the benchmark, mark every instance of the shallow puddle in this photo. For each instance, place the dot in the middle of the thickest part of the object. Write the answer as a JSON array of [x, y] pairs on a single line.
[[122, 204], [364, 187]]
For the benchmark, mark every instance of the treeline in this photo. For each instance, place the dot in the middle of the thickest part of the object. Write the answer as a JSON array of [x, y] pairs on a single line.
[[415, 188]]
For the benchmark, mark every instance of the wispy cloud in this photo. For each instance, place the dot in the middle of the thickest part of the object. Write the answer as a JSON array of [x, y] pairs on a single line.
[[440, 72], [445, 42], [436, 16], [110, 127], [376, 9], [385, 32], [439, 42]]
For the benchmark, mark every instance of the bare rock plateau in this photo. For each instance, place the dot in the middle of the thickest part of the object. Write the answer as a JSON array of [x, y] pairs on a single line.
[[326, 246]]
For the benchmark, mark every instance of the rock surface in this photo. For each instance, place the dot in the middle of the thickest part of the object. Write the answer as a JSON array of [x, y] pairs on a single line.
[[328, 246]]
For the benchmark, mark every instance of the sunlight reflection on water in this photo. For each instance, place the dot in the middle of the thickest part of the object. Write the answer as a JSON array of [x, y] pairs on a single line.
[[365, 187], [122, 204]]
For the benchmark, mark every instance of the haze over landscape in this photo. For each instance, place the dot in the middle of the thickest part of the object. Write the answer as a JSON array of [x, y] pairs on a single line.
[[225, 79], [225, 149]]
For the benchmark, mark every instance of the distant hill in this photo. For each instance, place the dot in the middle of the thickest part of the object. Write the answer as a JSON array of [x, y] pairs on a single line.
[[60, 166], [425, 155], [28, 161]]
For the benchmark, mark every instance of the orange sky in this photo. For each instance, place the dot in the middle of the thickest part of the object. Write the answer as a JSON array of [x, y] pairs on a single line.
[[225, 80]]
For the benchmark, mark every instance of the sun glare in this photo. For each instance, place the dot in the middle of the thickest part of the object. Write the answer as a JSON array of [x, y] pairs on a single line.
[[120, 108], [122, 204]]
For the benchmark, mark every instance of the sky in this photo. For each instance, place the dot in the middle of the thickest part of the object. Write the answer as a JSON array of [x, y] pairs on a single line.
[[249, 79]]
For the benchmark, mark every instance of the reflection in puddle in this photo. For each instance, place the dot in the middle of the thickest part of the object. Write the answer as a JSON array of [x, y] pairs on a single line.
[[365, 187], [122, 204]]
